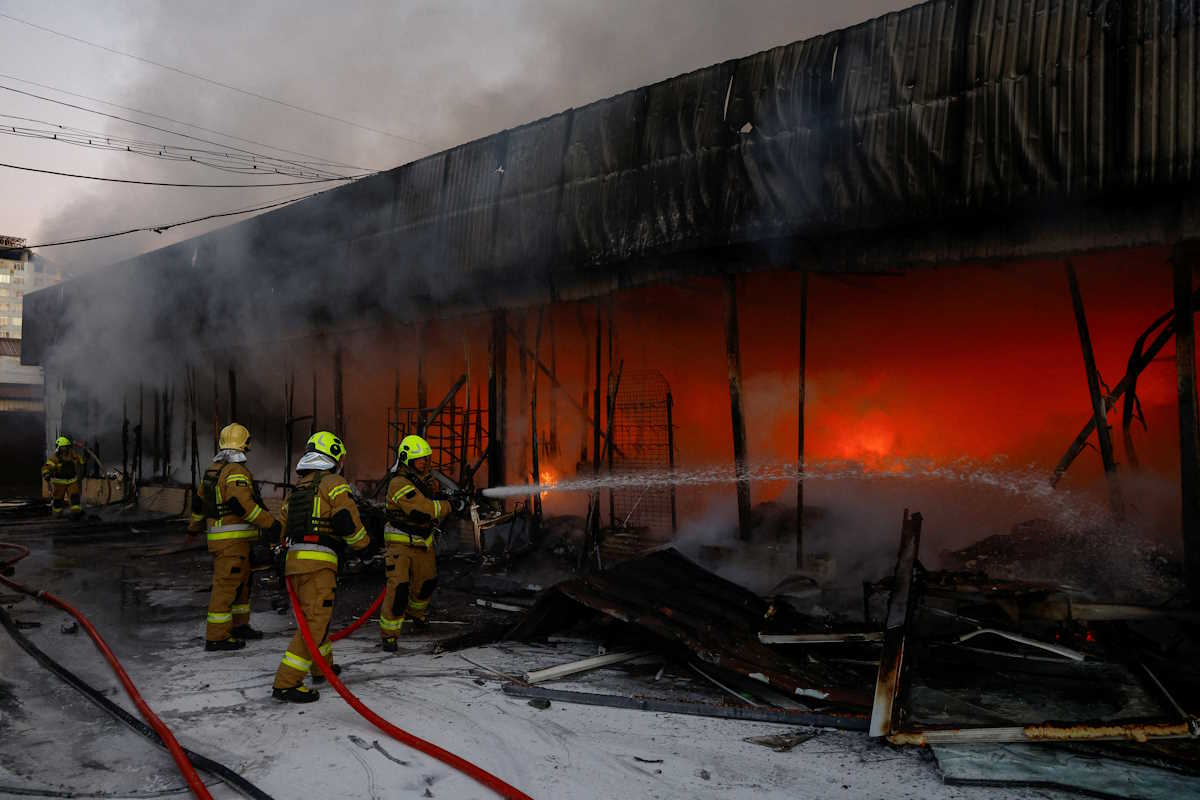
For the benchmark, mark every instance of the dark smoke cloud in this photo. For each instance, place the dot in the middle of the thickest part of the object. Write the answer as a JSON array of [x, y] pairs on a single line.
[[439, 73]]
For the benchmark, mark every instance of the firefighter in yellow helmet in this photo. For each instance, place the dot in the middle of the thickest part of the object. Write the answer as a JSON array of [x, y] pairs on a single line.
[[229, 511], [413, 513], [320, 519], [63, 472]]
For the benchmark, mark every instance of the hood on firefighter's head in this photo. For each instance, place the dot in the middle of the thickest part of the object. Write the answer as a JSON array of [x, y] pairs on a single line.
[[315, 461], [230, 456]]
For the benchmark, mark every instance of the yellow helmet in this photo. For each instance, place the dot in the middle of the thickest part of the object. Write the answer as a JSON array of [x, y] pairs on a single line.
[[326, 443], [413, 447], [62, 441], [234, 437]]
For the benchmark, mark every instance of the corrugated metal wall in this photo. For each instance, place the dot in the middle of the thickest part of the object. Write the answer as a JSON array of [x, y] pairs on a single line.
[[946, 110]]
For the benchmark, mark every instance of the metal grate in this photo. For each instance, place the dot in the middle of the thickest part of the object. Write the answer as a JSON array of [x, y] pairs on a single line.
[[644, 442], [458, 437]]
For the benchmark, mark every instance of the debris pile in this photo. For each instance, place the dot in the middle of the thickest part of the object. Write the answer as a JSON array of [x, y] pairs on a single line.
[[1007, 681]]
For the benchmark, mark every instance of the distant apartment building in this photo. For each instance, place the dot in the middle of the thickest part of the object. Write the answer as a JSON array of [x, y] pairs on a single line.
[[22, 396], [21, 272]]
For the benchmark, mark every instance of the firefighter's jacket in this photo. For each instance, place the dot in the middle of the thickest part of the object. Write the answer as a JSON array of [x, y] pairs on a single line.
[[412, 511], [227, 507], [63, 467], [320, 519]]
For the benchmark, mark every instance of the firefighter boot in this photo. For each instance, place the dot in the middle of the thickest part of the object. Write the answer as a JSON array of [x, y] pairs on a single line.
[[319, 677], [389, 645], [296, 694], [246, 632], [225, 644]]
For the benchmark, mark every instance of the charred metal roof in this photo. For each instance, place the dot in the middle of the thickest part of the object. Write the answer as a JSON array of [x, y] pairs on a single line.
[[951, 131]]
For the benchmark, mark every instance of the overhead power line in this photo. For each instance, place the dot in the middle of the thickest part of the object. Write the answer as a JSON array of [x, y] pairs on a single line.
[[168, 226], [156, 127], [225, 161], [213, 82], [174, 185]]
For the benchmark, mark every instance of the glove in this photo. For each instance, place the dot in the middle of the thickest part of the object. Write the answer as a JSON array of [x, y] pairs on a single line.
[[273, 535], [459, 502]]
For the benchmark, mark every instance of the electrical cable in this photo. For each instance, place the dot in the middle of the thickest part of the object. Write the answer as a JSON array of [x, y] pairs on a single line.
[[429, 748], [245, 787], [172, 744], [232, 162], [173, 185], [167, 227], [228, 86], [320, 161]]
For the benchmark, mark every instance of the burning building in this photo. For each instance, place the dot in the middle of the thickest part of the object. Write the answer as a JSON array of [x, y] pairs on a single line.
[[883, 243]]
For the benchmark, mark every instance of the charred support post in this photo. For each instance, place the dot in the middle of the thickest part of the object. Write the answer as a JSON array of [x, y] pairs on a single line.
[[733, 357], [312, 428], [193, 398], [124, 448], [1099, 411], [156, 442], [533, 426], [1189, 445], [138, 433], [339, 411], [289, 411], [671, 457], [900, 608], [800, 421], [422, 388], [595, 501], [497, 396], [233, 408]]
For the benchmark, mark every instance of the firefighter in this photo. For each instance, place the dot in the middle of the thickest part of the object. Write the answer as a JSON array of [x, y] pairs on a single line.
[[320, 519], [413, 512], [235, 519], [63, 472]]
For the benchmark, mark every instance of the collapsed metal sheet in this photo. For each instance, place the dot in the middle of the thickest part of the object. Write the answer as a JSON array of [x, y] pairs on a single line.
[[1022, 765], [690, 608]]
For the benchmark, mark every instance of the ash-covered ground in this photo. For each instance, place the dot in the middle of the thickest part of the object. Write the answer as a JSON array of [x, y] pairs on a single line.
[[151, 608]]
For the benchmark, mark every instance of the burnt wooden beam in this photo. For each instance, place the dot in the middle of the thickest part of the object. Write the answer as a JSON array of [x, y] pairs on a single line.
[[1080, 442], [312, 427], [339, 410], [1132, 404], [733, 358], [550, 374], [595, 501], [801, 387], [155, 451], [497, 397], [671, 457], [533, 426], [885, 712], [233, 403], [1182, 261], [446, 400], [746, 713], [1099, 407], [422, 387]]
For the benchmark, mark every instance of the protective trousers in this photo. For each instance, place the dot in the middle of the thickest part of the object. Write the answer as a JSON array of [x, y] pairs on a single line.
[[60, 493], [315, 591], [411, 579], [229, 603]]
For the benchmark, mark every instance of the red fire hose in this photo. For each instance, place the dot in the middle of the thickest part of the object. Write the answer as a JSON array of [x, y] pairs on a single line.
[[429, 748], [185, 767], [358, 623]]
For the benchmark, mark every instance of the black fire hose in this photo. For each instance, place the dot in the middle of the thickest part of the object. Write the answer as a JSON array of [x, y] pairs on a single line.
[[223, 772]]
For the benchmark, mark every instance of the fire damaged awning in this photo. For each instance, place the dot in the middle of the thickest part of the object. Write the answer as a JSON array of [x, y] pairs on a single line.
[[690, 609]]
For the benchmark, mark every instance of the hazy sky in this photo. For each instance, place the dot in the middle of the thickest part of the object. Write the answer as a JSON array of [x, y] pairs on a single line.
[[437, 72]]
